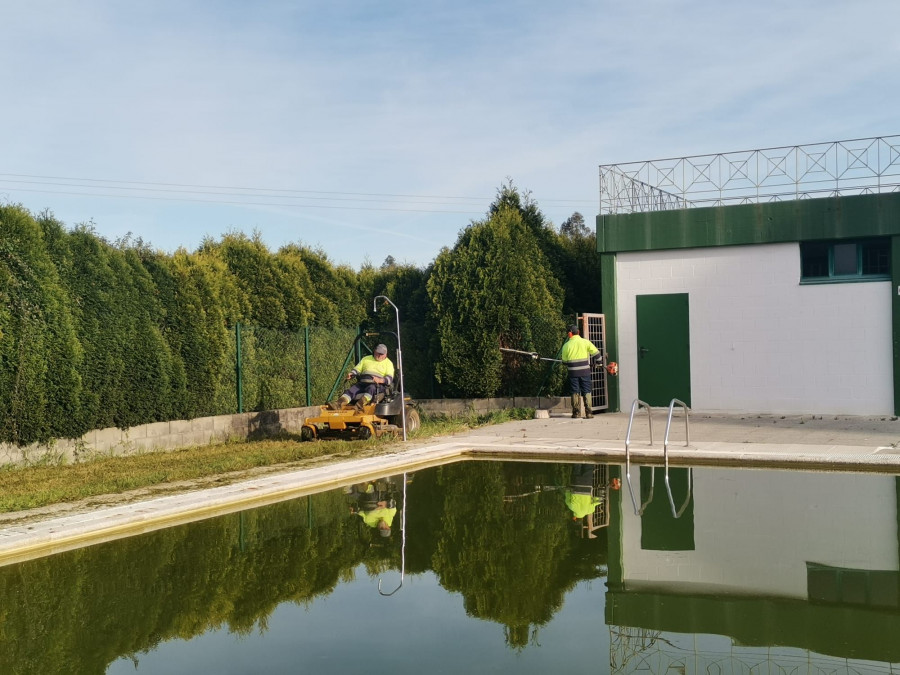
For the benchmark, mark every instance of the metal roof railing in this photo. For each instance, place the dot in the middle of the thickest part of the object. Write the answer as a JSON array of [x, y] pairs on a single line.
[[858, 166]]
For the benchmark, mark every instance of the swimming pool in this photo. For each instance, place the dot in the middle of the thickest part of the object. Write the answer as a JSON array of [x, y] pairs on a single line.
[[483, 566]]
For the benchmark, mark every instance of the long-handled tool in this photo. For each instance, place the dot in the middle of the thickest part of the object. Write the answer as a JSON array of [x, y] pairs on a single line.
[[611, 367], [534, 355]]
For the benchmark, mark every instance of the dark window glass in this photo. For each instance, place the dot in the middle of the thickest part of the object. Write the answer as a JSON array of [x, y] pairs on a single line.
[[876, 257], [845, 262], [813, 259]]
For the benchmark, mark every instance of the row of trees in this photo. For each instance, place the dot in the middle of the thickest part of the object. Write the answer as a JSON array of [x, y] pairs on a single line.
[[96, 334]]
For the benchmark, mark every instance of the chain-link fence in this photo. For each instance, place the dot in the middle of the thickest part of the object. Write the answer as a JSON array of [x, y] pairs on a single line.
[[267, 368], [286, 369], [525, 376]]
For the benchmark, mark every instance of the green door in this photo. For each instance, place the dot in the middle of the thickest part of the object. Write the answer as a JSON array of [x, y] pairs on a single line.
[[664, 349]]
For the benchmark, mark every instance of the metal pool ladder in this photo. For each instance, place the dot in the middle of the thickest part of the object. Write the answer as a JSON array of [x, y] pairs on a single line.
[[637, 405], [402, 544]]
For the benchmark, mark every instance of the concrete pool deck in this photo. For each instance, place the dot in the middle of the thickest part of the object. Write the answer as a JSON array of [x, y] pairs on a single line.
[[808, 442]]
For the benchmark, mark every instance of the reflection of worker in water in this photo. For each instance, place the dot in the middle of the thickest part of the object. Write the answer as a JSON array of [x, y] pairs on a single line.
[[580, 493], [373, 374], [587, 497], [381, 517], [374, 506]]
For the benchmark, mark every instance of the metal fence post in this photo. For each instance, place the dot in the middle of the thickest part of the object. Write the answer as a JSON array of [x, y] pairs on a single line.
[[306, 357], [239, 368]]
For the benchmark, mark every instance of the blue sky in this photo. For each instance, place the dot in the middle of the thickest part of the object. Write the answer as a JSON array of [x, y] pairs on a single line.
[[372, 129]]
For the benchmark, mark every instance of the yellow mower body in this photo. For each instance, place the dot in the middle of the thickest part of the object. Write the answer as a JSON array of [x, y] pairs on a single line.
[[351, 424], [348, 423]]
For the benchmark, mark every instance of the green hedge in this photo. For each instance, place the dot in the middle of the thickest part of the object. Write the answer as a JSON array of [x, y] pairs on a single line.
[[95, 334]]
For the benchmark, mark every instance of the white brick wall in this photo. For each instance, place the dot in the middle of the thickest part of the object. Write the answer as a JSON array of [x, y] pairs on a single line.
[[761, 342]]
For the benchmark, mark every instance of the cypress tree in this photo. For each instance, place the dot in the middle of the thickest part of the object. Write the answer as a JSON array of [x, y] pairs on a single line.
[[277, 286], [40, 387], [488, 292]]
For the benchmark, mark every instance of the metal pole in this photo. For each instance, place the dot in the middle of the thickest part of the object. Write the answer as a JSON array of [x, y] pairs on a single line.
[[308, 379], [402, 544], [399, 357], [239, 368]]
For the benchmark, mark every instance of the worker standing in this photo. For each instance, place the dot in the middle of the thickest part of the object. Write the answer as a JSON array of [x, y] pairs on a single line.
[[579, 355]]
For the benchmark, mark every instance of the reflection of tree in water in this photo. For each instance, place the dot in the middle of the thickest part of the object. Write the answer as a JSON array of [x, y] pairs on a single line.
[[513, 560], [79, 611]]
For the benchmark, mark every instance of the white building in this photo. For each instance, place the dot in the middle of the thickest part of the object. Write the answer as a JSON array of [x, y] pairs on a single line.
[[759, 281]]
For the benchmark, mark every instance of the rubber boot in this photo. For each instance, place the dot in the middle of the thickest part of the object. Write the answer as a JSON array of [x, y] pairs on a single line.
[[340, 402], [576, 405], [588, 413]]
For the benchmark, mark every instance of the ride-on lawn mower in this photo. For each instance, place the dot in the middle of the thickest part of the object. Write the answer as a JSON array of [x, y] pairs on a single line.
[[382, 415]]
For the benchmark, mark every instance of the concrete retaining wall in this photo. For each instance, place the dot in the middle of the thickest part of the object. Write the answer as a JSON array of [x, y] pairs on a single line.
[[162, 436]]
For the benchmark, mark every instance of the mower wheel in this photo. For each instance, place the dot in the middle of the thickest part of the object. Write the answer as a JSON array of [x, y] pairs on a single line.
[[365, 432], [307, 434], [412, 420]]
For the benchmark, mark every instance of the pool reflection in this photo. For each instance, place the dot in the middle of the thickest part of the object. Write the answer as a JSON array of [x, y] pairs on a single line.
[[789, 565]]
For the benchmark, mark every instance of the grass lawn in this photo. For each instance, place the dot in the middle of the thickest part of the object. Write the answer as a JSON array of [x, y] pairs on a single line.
[[29, 487]]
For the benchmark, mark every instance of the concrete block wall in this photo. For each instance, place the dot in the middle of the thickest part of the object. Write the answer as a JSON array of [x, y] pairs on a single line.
[[162, 436], [759, 340]]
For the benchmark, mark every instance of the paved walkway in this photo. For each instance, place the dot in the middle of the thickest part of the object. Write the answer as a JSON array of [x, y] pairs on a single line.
[[801, 442]]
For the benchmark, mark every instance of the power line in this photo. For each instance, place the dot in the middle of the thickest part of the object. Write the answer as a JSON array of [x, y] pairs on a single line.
[[236, 191], [245, 203]]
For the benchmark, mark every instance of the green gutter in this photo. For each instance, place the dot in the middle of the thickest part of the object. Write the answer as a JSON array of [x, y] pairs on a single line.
[[773, 222]]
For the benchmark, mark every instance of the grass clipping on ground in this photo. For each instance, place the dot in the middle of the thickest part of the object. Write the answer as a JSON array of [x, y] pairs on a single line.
[[28, 487]]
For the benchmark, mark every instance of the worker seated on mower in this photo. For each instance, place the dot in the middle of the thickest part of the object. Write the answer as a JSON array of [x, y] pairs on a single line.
[[373, 375]]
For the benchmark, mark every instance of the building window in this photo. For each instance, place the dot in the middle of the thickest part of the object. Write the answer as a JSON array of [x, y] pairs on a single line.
[[846, 260]]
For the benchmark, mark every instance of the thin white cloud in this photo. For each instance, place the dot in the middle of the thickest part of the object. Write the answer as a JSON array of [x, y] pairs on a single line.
[[405, 98]]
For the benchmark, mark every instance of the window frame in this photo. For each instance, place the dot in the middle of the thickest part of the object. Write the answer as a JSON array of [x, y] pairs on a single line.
[[859, 276]]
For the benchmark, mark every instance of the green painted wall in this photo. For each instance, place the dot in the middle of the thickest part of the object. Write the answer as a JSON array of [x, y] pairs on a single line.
[[610, 312], [895, 317], [773, 222], [868, 633]]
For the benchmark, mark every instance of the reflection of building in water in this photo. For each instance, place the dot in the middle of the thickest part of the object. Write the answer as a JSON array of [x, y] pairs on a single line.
[[634, 650], [803, 568]]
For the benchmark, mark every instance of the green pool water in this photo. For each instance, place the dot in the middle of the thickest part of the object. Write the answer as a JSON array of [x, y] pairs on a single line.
[[488, 567]]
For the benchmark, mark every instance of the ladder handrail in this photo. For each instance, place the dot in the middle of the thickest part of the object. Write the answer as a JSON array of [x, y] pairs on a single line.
[[402, 544], [637, 405], [687, 442], [687, 498]]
